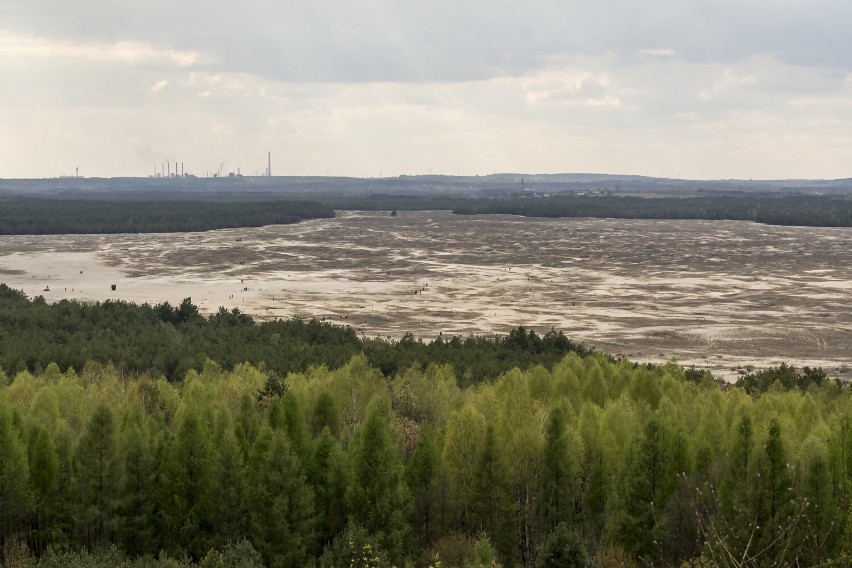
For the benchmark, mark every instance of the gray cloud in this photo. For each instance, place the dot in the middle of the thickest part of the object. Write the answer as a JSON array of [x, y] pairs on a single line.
[[755, 88], [445, 40]]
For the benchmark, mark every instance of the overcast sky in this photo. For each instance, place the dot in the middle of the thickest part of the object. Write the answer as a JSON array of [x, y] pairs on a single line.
[[674, 88]]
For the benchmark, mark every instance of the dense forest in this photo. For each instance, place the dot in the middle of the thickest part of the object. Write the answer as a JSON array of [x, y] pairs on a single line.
[[116, 213], [771, 210], [575, 460], [30, 216], [171, 340]]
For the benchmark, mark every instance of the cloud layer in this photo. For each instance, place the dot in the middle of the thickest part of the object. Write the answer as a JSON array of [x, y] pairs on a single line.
[[694, 89]]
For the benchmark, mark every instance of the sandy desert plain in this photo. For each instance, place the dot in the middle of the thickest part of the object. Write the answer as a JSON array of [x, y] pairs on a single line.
[[720, 295]]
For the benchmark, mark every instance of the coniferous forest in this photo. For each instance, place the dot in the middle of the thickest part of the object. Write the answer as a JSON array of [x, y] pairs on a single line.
[[320, 448], [39, 216]]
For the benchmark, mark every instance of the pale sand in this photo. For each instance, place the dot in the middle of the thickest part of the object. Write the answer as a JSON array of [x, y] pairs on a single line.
[[717, 295]]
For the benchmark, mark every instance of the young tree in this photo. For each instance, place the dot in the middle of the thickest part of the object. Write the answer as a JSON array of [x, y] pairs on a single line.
[[465, 432], [774, 499], [15, 499], [97, 478], [281, 506], [491, 496], [325, 415], [563, 549], [230, 511], [422, 476], [377, 496], [328, 477], [559, 474], [187, 485], [354, 548], [737, 512], [138, 489], [821, 528], [642, 492], [43, 467], [289, 417]]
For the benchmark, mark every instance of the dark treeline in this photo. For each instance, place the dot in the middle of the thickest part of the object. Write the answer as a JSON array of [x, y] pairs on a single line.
[[114, 213], [170, 340], [27, 216], [771, 210]]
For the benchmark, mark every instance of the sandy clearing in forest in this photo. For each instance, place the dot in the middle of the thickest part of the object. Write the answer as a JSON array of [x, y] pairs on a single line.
[[719, 295]]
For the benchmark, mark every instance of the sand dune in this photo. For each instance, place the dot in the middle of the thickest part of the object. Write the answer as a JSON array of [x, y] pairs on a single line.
[[719, 295]]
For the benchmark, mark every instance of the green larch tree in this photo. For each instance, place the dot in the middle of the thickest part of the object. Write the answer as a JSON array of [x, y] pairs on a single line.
[[492, 502], [230, 510], [325, 415], [15, 497], [188, 484], [463, 438], [641, 492], [281, 506], [423, 477], [327, 475], [821, 527], [559, 474], [776, 514], [137, 496], [97, 470], [378, 497], [43, 468]]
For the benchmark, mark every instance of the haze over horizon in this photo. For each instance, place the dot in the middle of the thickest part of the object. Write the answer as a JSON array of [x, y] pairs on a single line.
[[376, 88]]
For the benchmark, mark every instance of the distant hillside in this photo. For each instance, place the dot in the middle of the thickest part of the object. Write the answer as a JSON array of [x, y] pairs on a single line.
[[494, 185]]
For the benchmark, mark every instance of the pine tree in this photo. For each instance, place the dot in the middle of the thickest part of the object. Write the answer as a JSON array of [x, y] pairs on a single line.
[[563, 549]]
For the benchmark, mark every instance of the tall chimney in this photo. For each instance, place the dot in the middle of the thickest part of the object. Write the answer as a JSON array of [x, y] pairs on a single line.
[[269, 166], [181, 169]]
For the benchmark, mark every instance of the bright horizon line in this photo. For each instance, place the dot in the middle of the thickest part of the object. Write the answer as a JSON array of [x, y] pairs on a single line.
[[431, 174]]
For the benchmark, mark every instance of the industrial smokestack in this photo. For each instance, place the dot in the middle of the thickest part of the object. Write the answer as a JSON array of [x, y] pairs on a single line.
[[181, 169], [269, 166]]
